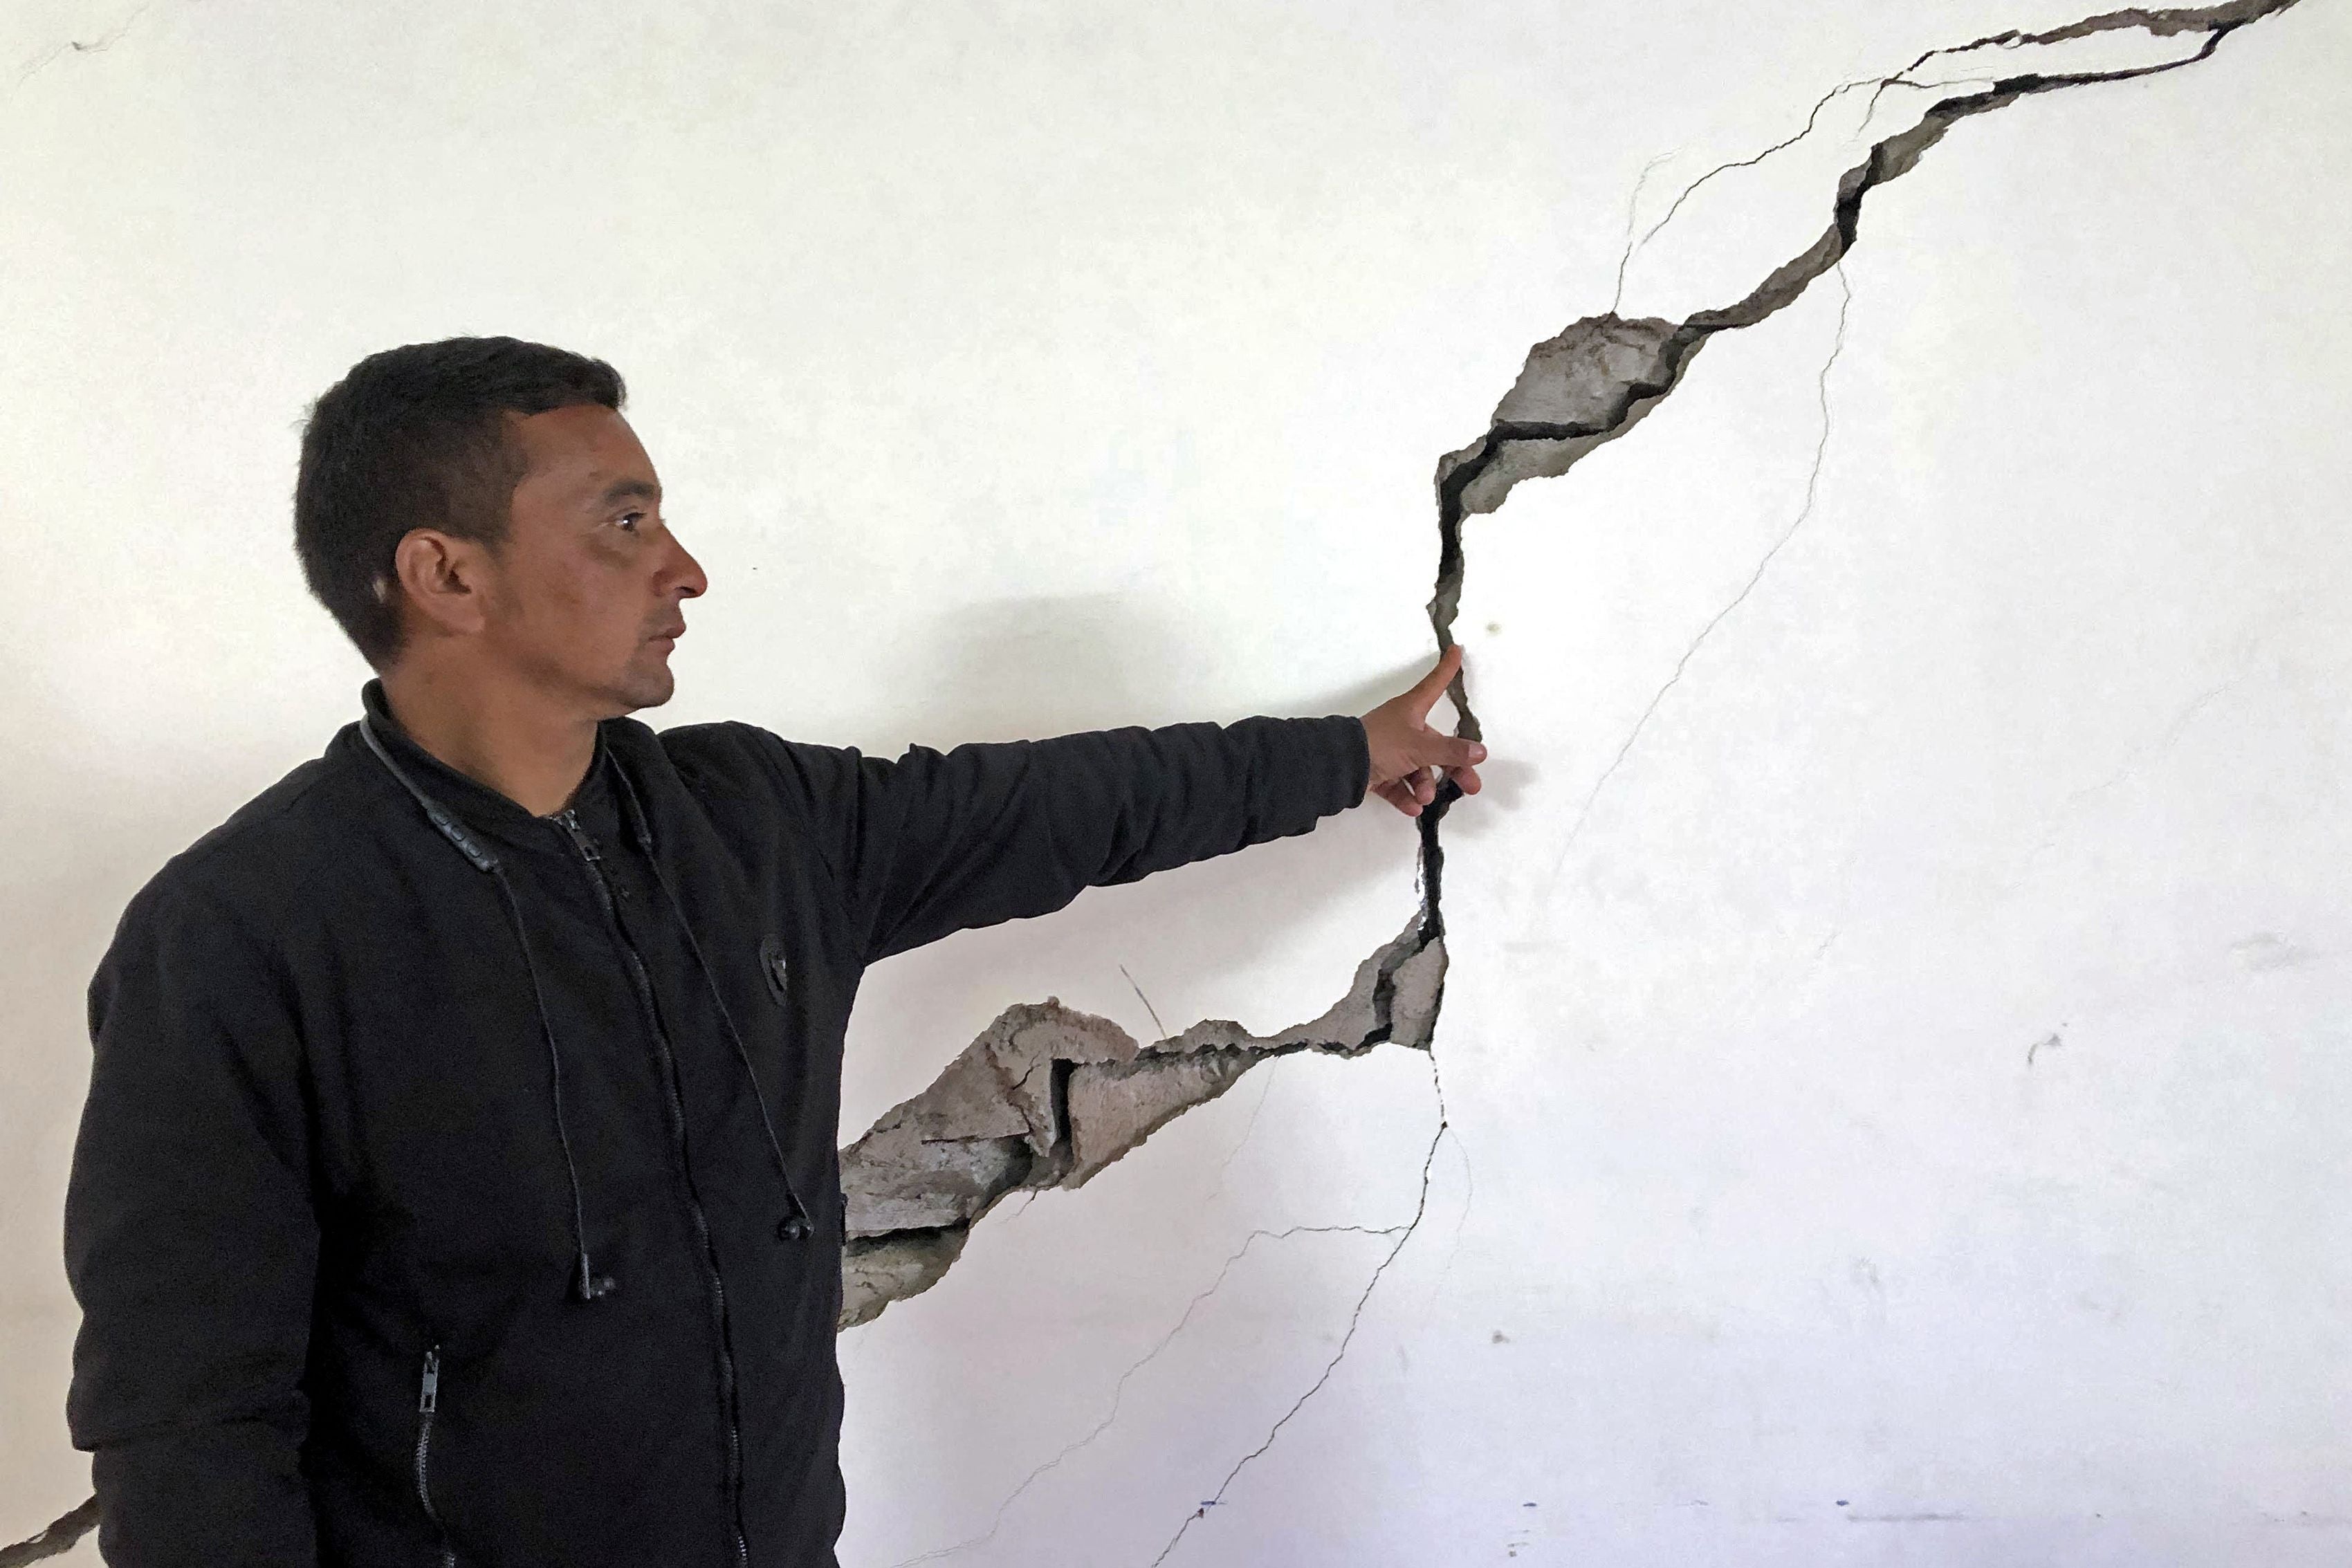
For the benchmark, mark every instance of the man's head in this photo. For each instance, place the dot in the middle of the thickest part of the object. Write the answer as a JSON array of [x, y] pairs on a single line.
[[479, 503]]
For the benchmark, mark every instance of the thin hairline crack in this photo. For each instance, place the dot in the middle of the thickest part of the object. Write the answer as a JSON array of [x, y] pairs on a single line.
[[1599, 377], [1586, 387], [1047, 1096]]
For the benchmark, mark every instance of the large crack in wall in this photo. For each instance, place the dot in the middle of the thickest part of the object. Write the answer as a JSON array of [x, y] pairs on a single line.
[[1602, 375], [944, 1157], [1047, 1096]]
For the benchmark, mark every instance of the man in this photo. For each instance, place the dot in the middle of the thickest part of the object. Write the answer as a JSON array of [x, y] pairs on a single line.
[[457, 1181]]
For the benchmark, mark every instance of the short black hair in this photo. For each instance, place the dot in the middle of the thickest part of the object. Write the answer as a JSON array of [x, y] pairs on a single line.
[[415, 437]]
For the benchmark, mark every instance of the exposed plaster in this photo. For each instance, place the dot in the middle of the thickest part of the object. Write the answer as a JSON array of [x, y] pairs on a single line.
[[1047, 1096], [1577, 391], [1600, 376]]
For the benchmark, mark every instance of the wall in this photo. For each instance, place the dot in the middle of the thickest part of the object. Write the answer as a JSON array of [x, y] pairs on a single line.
[[1894, 1049]]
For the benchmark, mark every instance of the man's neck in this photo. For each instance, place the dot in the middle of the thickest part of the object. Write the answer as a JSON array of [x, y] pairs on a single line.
[[498, 733]]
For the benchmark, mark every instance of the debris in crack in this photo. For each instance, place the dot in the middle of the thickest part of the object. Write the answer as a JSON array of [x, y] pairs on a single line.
[[1047, 1096]]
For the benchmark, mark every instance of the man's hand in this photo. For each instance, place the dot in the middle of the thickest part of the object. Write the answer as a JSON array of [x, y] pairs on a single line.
[[1407, 755]]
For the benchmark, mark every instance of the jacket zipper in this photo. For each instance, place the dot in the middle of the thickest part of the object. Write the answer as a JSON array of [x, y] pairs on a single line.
[[428, 1401], [595, 860]]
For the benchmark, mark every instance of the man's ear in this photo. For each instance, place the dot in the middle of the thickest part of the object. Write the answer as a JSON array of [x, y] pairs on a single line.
[[444, 578]]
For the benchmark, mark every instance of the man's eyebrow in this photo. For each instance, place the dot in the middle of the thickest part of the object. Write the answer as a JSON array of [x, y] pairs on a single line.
[[629, 489]]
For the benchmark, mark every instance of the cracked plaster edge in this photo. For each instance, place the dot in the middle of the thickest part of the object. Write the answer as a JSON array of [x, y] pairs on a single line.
[[921, 1260], [1394, 1000], [1670, 348], [1563, 443]]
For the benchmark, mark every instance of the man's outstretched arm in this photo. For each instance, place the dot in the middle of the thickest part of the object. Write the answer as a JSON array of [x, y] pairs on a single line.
[[936, 843]]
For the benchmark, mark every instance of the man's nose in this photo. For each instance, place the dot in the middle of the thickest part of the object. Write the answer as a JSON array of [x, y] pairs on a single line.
[[687, 575]]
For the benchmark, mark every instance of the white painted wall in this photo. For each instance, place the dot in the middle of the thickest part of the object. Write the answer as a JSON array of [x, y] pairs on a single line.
[[1025, 367]]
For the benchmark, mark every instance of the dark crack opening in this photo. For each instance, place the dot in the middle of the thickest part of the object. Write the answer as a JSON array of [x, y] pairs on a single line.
[[1047, 1096], [1599, 378]]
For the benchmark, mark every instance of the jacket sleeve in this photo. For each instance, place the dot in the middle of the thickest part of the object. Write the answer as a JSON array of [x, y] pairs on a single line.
[[940, 841], [192, 1245]]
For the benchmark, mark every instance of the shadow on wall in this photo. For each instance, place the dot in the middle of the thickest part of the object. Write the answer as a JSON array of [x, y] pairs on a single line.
[[1031, 667], [1027, 668]]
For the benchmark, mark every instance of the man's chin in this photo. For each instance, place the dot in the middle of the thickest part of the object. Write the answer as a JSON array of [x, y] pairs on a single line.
[[645, 687]]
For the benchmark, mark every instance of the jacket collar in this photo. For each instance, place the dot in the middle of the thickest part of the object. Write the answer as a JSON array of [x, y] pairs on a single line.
[[480, 806]]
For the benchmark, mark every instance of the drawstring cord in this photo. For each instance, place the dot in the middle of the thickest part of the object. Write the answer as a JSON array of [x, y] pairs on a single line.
[[587, 1285], [796, 1226]]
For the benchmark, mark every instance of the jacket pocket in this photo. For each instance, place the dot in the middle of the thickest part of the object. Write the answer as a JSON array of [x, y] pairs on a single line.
[[428, 1405]]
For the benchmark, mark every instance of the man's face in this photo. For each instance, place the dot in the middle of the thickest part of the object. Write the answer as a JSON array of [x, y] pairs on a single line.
[[587, 591]]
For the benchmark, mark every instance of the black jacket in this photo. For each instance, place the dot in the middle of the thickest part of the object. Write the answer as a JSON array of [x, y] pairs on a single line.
[[468, 1192]]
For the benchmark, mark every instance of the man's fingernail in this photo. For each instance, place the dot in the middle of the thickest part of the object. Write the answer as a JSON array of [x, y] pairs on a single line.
[[1478, 754]]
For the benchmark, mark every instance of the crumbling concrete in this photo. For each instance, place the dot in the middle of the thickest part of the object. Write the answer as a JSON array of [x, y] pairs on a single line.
[[1598, 378], [1047, 1096]]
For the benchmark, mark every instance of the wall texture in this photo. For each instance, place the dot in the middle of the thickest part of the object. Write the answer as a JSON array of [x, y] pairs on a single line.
[[1885, 1102]]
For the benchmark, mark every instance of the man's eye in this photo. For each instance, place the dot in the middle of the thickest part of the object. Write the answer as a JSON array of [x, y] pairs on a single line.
[[629, 521]]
